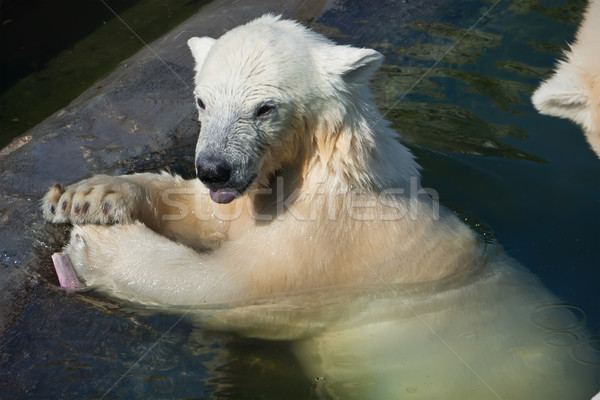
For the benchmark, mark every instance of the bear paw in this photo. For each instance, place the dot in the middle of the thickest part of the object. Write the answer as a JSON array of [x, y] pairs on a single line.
[[99, 200]]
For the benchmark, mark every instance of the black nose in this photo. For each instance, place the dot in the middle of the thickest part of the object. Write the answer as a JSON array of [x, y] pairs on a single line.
[[213, 171]]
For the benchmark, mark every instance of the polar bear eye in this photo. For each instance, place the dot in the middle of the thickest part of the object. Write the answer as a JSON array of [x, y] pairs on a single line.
[[266, 109], [200, 103]]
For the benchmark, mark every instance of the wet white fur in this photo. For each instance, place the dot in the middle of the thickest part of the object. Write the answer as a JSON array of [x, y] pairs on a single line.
[[384, 299]]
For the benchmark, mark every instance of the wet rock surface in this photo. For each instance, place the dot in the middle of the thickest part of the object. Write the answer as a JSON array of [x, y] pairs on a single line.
[[141, 117]]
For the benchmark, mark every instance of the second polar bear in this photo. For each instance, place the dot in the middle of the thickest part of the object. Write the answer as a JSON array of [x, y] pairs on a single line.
[[573, 91], [312, 226]]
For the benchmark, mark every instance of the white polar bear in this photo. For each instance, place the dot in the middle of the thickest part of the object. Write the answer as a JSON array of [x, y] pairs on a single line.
[[312, 227], [573, 91]]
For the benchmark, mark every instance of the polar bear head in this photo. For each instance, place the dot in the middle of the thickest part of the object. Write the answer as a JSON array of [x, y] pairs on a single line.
[[573, 91], [263, 91]]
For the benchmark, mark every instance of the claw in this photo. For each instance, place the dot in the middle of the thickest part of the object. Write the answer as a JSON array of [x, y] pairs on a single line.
[[59, 188], [64, 205], [86, 208]]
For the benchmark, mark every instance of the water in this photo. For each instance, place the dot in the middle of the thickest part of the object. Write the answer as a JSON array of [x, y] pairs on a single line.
[[528, 181], [531, 180]]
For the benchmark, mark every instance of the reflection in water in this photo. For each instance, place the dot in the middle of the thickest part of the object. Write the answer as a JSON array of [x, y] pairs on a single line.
[[524, 70], [545, 47], [464, 46], [391, 83], [448, 126], [500, 91], [568, 12]]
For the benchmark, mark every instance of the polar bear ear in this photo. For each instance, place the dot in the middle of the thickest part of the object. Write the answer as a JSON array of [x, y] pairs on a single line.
[[563, 95], [200, 48], [353, 64]]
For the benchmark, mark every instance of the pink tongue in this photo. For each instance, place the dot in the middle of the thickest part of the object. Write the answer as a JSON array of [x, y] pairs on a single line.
[[223, 196]]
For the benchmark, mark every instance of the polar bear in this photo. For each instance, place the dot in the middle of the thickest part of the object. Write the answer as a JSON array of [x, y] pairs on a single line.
[[308, 223], [573, 91]]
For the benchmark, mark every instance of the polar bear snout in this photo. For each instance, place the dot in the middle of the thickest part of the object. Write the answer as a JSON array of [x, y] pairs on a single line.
[[214, 172], [225, 180]]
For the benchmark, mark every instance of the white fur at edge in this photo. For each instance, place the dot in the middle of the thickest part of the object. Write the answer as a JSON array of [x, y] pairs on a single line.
[[573, 91]]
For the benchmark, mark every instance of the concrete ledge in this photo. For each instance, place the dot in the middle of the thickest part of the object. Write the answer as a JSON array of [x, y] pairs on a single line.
[[144, 106]]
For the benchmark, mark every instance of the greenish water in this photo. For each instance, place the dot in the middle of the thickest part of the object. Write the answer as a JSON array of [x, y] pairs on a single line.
[[51, 52], [457, 86]]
